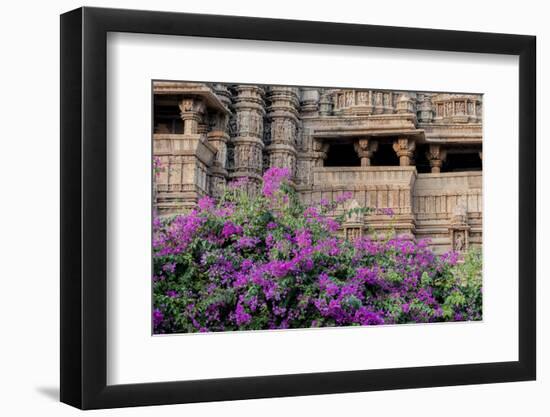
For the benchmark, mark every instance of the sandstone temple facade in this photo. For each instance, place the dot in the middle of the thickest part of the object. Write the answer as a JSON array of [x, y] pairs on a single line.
[[419, 154]]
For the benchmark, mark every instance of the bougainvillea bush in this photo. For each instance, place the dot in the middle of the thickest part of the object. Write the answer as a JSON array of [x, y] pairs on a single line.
[[269, 262]]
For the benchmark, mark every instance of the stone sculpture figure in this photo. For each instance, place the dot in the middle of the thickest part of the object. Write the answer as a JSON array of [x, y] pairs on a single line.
[[459, 242]]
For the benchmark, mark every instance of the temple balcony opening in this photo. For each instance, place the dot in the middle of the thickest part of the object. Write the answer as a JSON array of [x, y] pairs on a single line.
[[342, 155]]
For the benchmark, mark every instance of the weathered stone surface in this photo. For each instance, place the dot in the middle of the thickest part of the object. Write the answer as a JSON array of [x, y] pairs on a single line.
[[418, 154]]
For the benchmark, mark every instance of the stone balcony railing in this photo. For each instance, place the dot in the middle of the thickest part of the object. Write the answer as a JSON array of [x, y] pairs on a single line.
[[441, 193], [401, 189], [457, 108], [184, 144], [185, 160], [362, 176], [375, 187], [364, 102], [448, 181]]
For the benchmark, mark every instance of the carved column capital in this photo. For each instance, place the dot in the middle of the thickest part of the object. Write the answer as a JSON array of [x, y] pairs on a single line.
[[404, 148], [436, 155], [320, 152], [191, 112], [365, 148]]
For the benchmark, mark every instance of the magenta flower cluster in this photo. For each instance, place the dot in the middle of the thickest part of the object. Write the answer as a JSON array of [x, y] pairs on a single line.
[[270, 263]]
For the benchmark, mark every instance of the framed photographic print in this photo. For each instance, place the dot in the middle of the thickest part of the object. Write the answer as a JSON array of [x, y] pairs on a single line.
[[257, 208]]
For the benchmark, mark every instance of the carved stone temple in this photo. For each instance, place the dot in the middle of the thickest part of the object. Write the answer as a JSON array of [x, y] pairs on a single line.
[[419, 154]]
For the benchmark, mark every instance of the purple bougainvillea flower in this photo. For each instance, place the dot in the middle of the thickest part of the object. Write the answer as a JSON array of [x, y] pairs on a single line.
[[247, 242], [241, 316], [158, 317], [345, 196], [387, 211], [239, 183], [271, 225], [169, 267], [273, 178], [303, 238], [206, 203], [230, 229]]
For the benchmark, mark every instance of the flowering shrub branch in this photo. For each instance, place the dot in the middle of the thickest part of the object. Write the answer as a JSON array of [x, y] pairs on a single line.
[[270, 263]]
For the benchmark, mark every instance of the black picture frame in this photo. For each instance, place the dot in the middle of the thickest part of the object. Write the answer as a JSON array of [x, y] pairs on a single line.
[[84, 207]]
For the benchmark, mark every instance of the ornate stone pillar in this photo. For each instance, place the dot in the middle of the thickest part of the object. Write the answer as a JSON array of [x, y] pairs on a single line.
[[365, 148], [202, 128], [218, 138], [283, 114], [248, 143], [223, 94], [436, 155], [191, 113], [404, 148], [320, 152]]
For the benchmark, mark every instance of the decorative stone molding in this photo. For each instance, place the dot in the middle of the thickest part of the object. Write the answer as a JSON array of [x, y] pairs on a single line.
[[404, 148], [354, 127], [453, 134]]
